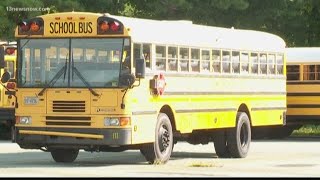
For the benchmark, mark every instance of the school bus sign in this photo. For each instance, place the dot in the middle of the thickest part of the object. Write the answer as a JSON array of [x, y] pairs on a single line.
[[72, 25]]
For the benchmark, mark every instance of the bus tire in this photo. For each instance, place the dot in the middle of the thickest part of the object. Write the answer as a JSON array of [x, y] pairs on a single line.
[[220, 145], [64, 155], [13, 134], [160, 151], [239, 138]]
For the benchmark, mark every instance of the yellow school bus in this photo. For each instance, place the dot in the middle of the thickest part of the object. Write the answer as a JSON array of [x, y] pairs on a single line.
[[99, 82], [8, 56], [303, 86]]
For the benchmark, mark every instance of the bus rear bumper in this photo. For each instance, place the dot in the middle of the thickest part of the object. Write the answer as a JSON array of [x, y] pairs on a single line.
[[35, 138]]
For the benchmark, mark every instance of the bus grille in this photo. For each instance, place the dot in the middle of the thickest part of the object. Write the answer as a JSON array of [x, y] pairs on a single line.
[[68, 106], [68, 121]]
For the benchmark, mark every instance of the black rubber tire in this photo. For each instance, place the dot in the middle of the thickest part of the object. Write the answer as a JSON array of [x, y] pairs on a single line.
[[220, 144], [160, 151], [239, 138], [13, 134], [64, 155]]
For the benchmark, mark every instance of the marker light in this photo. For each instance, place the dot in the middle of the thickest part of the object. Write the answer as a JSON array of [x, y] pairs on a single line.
[[35, 26], [11, 85], [10, 51], [125, 121], [114, 26], [24, 26], [104, 26]]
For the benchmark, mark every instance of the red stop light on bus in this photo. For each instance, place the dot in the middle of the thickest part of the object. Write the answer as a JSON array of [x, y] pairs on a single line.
[[107, 25]]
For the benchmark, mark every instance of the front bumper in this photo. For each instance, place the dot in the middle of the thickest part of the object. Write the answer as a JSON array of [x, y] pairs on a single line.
[[36, 137]]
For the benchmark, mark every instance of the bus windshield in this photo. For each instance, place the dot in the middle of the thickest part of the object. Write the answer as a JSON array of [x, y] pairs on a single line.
[[71, 62]]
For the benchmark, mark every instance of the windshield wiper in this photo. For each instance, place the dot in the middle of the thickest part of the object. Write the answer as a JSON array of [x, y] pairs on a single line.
[[76, 71], [55, 78]]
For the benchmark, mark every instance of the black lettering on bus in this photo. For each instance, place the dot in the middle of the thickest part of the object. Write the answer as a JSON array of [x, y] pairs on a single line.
[[80, 27], [74, 28], [89, 27], [51, 27], [60, 27], [85, 29], [65, 27], [70, 27]]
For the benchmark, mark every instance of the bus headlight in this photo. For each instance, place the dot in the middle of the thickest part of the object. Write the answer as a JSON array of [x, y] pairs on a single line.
[[25, 120], [111, 121], [31, 100], [115, 121]]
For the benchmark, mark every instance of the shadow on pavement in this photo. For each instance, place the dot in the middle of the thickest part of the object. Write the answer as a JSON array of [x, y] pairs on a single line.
[[86, 159]]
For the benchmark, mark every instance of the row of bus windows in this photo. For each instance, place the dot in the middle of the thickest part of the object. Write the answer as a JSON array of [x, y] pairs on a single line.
[[310, 72], [183, 59]]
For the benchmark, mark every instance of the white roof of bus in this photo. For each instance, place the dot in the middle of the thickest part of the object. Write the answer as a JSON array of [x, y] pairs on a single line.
[[303, 54], [188, 34]]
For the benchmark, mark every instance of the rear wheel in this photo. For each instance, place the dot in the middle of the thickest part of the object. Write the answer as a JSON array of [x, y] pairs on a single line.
[[239, 138], [160, 151], [64, 155]]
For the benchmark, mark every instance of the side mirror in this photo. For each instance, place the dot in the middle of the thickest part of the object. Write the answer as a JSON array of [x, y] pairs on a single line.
[[2, 63], [127, 80], [140, 68]]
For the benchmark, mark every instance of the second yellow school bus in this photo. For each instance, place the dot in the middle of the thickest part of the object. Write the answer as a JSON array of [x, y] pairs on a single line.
[[8, 57], [100, 82], [303, 86]]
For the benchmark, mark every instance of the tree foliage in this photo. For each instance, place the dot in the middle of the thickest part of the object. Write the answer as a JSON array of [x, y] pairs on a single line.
[[296, 21]]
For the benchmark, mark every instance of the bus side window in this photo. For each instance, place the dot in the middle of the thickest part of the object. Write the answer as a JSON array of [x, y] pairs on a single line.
[[263, 63], [254, 63], [293, 72], [235, 62], [205, 60], [309, 72], [216, 61], [142, 51], [137, 52], [173, 58], [271, 63], [226, 61], [195, 60], [244, 58], [279, 64], [147, 54], [161, 58], [184, 59]]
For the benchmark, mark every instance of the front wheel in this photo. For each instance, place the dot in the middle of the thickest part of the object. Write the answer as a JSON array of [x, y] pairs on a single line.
[[239, 138], [64, 155], [160, 151]]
